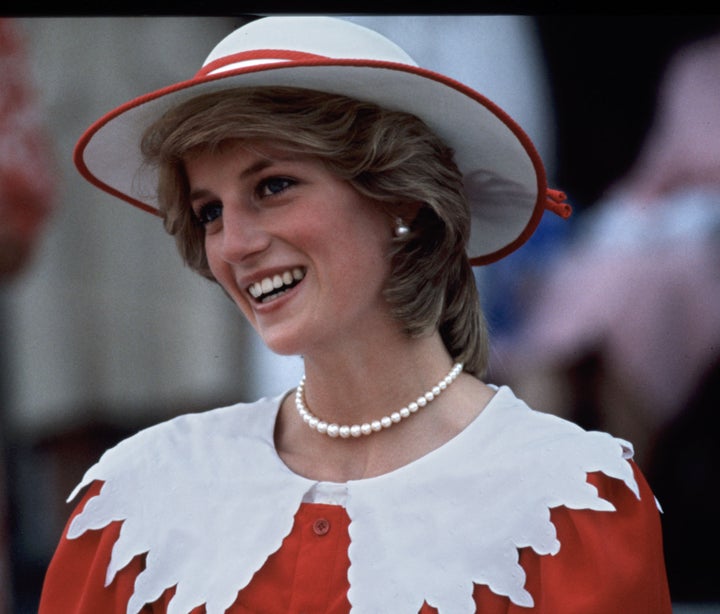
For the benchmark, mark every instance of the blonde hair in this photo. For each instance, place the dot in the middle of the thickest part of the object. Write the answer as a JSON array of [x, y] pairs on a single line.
[[390, 156]]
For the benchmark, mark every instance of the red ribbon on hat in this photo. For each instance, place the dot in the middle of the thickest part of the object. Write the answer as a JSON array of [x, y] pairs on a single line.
[[555, 202]]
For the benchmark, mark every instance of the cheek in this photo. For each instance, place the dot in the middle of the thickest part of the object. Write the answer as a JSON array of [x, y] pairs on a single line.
[[213, 265], [212, 262], [223, 275], [215, 262], [362, 263]]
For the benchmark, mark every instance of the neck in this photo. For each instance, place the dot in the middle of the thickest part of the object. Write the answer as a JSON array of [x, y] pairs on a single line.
[[359, 386], [356, 386]]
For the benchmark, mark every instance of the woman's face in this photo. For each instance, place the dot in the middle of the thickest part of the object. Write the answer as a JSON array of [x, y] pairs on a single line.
[[300, 251]]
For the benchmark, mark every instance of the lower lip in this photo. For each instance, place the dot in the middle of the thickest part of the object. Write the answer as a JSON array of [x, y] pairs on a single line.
[[278, 302]]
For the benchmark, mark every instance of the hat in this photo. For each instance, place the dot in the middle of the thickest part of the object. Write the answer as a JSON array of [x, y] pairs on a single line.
[[504, 177]]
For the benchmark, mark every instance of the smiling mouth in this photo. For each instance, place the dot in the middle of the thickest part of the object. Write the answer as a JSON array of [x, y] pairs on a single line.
[[271, 288]]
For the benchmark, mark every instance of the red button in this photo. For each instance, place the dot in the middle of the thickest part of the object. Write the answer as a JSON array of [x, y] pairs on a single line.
[[321, 526]]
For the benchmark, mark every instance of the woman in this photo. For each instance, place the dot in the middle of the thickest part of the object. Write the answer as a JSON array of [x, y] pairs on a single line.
[[323, 180]]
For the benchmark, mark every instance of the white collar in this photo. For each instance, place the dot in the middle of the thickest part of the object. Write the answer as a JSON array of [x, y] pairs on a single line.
[[184, 486]]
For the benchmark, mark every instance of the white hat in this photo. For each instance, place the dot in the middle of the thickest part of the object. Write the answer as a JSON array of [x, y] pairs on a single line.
[[504, 177]]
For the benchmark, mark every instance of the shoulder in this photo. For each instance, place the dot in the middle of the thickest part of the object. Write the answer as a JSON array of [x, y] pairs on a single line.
[[557, 454], [196, 476], [186, 439], [516, 428]]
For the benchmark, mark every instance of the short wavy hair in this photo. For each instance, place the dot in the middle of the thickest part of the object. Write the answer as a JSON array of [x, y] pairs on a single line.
[[389, 156]]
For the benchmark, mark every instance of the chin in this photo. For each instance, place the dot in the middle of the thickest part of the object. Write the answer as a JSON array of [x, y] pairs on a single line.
[[283, 345]]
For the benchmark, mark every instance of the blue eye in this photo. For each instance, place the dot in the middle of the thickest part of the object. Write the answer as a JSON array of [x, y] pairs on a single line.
[[209, 212], [274, 185]]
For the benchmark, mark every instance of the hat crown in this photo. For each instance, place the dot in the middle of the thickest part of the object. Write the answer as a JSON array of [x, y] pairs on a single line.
[[325, 37]]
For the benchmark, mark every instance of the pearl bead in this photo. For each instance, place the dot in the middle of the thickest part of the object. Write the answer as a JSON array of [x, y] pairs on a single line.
[[367, 428]]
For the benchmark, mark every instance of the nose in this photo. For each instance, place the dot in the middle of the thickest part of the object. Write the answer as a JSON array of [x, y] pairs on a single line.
[[243, 234]]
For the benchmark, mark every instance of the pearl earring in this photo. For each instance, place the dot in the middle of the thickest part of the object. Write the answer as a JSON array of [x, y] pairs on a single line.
[[401, 228]]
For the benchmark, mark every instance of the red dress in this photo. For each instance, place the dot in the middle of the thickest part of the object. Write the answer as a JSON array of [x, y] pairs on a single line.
[[608, 561]]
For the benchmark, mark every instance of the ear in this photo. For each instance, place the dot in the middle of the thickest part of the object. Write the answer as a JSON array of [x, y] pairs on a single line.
[[405, 211]]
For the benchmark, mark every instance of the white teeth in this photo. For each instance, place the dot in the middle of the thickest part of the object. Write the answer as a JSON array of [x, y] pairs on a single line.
[[277, 282]]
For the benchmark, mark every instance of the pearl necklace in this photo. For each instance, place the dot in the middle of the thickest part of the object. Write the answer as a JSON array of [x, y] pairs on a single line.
[[367, 428]]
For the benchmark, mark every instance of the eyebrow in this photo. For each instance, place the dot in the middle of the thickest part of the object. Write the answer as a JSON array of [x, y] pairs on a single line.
[[253, 169]]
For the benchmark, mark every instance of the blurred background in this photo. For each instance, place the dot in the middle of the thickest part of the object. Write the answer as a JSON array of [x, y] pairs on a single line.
[[611, 318]]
